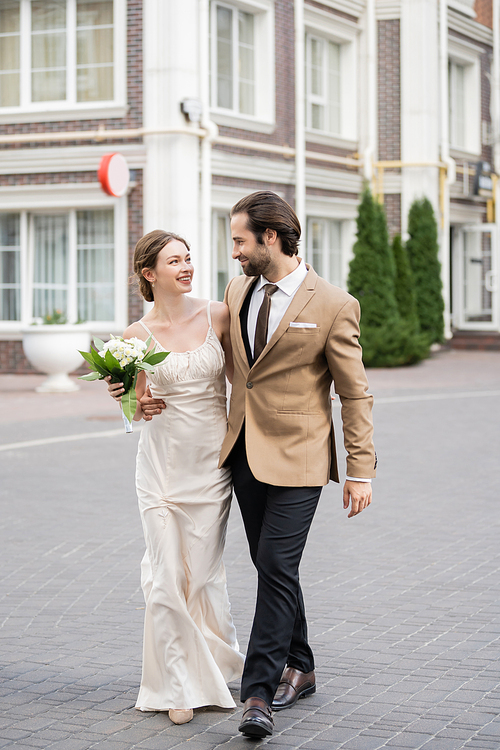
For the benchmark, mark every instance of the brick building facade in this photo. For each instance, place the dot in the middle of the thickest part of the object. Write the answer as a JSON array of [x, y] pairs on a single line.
[[306, 98]]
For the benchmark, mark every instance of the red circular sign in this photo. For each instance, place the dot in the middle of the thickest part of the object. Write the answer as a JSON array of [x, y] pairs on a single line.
[[113, 174]]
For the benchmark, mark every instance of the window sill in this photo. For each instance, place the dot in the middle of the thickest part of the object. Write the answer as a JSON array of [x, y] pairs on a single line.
[[458, 153], [13, 330], [95, 112], [242, 122], [335, 141]]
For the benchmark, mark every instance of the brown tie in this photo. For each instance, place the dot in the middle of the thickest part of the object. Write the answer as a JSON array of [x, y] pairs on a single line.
[[263, 320]]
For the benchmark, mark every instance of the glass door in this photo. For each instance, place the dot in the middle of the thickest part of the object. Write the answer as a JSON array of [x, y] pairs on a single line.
[[476, 277]]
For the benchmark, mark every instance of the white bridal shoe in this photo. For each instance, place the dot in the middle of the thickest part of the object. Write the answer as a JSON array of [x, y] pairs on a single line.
[[180, 715]]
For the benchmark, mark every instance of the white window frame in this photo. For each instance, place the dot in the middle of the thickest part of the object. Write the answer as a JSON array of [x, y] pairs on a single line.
[[264, 118], [327, 224], [318, 99], [333, 209], [324, 25], [68, 199], [467, 55], [233, 266], [70, 109], [463, 6]]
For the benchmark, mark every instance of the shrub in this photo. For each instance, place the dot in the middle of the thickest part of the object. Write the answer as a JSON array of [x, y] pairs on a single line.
[[387, 338], [371, 271], [423, 251], [404, 286], [394, 344]]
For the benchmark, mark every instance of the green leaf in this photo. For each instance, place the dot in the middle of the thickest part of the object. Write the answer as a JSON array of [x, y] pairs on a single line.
[[91, 376], [111, 362], [155, 358], [87, 357], [145, 366], [129, 403], [98, 363], [99, 345]]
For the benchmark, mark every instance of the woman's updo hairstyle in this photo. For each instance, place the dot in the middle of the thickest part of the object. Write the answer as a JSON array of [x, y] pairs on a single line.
[[146, 255]]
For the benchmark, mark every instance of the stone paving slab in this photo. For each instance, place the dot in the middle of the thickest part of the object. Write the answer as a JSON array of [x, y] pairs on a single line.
[[403, 601]]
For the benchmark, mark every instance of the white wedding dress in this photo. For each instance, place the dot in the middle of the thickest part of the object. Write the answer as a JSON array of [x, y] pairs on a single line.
[[190, 647]]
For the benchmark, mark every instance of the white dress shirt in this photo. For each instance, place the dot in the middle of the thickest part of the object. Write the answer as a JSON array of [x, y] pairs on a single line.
[[280, 302]]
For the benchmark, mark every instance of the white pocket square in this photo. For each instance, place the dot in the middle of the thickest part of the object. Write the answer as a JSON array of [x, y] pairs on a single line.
[[303, 325]]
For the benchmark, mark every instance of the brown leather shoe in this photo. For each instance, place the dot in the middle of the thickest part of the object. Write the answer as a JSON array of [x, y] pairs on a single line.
[[293, 685], [257, 719]]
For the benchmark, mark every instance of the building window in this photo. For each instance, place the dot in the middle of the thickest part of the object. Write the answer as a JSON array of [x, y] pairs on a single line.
[[50, 265], [95, 261], [456, 75], [56, 51], [323, 84], [324, 249], [10, 267], [69, 262], [9, 53], [464, 98], [232, 59], [225, 267]]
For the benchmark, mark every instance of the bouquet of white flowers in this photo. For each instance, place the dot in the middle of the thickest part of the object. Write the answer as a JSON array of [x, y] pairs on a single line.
[[122, 359]]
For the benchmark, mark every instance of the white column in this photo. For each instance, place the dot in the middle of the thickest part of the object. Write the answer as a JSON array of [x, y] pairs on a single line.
[[300, 132], [496, 148], [171, 74], [444, 227], [419, 102], [368, 91]]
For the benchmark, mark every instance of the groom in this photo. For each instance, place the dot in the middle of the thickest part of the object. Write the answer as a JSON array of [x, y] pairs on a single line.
[[292, 334]]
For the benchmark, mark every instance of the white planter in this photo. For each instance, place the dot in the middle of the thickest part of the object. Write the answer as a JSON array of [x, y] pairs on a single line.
[[54, 350]]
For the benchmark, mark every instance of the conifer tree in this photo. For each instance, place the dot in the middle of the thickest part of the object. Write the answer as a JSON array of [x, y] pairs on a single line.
[[371, 271], [423, 251], [404, 285], [387, 339]]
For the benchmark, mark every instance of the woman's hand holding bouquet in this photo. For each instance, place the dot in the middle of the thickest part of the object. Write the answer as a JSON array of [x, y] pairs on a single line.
[[121, 360]]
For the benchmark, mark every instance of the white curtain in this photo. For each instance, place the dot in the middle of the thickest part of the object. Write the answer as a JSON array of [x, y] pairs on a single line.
[[50, 267], [94, 50], [246, 62], [9, 53], [96, 265], [52, 34], [10, 267], [48, 50]]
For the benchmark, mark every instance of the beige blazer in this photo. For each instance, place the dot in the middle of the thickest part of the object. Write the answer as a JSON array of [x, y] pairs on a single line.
[[284, 399]]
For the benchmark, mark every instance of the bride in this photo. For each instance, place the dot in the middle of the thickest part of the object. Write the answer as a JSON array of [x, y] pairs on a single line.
[[190, 649]]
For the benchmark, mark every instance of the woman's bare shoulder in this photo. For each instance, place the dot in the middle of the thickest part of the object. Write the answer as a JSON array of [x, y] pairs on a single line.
[[219, 311], [135, 330]]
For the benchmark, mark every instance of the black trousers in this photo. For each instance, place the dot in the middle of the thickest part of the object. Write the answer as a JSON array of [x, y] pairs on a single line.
[[277, 521]]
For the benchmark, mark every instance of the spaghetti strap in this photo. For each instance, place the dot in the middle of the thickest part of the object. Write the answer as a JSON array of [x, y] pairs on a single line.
[[208, 315], [151, 334], [145, 328]]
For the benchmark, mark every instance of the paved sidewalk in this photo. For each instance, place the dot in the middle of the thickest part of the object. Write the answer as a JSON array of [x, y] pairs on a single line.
[[403, 601]]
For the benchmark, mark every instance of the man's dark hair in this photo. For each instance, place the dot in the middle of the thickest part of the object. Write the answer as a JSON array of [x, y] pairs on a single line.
[[266, 210]]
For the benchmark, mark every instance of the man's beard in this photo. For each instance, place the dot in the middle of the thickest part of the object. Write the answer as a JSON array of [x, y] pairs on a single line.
[[259, 263]]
